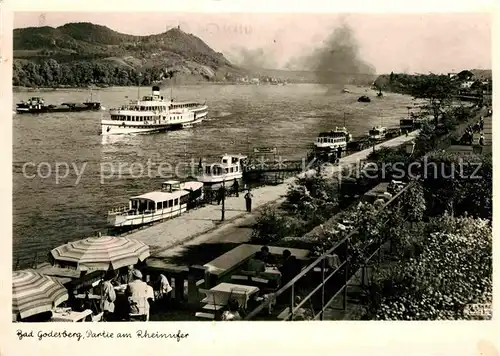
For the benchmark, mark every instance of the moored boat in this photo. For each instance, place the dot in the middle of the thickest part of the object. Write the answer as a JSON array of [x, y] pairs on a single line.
[[153, 114], [333, 139], [229, 169], [149, 207], [329, 145], [377, 133], [194, 188]]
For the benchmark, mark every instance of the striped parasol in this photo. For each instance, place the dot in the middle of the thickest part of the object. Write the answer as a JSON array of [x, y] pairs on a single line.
[[101, 253], [34, 293]]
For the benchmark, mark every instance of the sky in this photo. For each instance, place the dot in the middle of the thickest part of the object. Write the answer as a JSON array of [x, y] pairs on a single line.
[[412, 42]]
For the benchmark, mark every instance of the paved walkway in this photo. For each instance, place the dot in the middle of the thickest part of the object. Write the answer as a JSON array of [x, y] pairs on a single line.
[[203, 225]]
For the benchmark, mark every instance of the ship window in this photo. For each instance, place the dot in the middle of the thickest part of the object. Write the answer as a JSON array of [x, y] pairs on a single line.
[[236, 169], [207, 170], [231, 170], [170, 203], [176, 202], [165, 204], [225, 170], [158, 206]]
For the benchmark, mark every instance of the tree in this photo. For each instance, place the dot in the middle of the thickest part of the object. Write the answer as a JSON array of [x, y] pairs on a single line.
[[458, 184], [453, 270], [437, 90], [312, 199], [273, 225], [465, 75]]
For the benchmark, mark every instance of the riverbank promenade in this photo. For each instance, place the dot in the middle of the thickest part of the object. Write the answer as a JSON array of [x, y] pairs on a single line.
[[204, 224]]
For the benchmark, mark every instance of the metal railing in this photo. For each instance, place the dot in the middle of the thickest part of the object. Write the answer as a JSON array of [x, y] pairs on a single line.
[[343, 267]]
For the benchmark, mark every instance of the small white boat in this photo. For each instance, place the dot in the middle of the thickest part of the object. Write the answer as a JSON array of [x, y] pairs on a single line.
[[150, 207], [333, 140], [377, 133], [194, 188], [229, 169]]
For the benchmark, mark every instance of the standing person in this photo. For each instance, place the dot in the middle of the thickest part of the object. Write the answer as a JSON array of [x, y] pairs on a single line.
[[108, 300], [137, 293], [236, 188], [165, 287], [220, 194], [248, 201]]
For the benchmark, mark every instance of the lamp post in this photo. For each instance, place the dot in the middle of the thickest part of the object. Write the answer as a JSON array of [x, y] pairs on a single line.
[[410, 147], [223, 199]]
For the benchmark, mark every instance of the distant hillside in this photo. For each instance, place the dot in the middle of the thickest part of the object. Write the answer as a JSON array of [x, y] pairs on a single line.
[[78, 54], [400, 82]]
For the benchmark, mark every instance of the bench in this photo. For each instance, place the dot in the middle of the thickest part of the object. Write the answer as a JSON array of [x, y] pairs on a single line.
[[237, 277], [213, 307], [205, 315], [214, 297]]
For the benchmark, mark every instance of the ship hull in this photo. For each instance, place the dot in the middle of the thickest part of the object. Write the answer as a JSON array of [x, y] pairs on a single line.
[[116, 220], [116, 127], [54, 109]]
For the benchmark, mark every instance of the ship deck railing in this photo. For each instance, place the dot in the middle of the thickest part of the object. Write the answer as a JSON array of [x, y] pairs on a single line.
[[119, 211]]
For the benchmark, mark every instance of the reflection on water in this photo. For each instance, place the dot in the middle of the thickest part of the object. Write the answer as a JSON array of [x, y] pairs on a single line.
[[48, 213]]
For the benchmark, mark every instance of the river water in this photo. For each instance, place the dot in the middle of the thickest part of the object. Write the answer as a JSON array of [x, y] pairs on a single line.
[[103, 172]]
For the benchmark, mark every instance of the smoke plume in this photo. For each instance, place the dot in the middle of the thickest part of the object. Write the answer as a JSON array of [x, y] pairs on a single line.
[[338, 61], [258, 58]]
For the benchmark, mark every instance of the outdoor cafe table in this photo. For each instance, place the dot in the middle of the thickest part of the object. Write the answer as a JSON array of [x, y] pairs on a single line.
[[271, 272], [236, 291], [70, 316]]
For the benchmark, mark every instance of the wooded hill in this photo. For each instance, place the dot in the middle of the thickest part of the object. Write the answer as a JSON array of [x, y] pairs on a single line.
[[80, 54]]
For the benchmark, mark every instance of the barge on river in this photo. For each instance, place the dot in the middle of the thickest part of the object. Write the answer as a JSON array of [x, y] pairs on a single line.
[[153, 114], [36, 105]]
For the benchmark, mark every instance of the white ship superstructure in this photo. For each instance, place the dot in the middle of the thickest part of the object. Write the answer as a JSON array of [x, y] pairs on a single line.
[[332, 140], [153, 114], [229, 169]]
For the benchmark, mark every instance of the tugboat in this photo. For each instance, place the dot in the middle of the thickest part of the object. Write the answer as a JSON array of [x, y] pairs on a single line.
[[364, 99], [36, 105]]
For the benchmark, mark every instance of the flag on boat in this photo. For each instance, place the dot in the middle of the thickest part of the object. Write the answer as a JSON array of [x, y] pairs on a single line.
[[100, 253], [34, 293]]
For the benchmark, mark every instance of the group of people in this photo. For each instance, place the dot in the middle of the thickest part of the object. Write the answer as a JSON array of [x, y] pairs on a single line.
[[139, 295], [288, 266], [471, 130], [235, 188]]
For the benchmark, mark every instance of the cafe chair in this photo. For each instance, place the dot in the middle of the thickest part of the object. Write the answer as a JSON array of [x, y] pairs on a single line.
[[141, 305], [98, 317]]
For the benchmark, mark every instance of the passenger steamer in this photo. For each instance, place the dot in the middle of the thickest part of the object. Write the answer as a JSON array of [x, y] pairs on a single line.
[[153, 114], [174, 199]]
